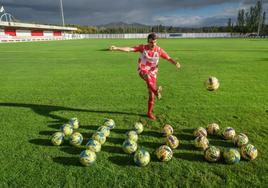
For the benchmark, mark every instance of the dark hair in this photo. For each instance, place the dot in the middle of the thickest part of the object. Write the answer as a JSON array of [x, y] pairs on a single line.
[[152, 36]]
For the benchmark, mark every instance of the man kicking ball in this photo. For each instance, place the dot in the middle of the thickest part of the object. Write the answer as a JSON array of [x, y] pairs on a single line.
[[148, 66]]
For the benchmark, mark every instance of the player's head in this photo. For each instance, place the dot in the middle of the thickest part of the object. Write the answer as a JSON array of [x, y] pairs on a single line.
[[151, 39]]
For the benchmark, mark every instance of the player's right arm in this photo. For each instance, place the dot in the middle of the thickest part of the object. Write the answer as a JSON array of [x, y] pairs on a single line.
[[123, 49]]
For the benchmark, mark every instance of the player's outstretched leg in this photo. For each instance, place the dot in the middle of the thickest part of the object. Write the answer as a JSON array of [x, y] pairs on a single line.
[[158, 92]]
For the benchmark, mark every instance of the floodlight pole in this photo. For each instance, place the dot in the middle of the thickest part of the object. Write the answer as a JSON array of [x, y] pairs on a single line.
[[62, 14]]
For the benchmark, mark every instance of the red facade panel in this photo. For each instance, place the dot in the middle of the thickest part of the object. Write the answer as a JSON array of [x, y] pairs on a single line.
[[37, 33], [56, 33], [11, 32]]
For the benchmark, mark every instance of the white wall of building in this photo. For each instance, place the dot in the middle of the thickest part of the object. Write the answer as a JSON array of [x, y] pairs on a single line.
[[23, 33], [48, 33]]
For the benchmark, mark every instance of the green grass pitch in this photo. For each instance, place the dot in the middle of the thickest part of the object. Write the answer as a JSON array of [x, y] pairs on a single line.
[[44, 84]]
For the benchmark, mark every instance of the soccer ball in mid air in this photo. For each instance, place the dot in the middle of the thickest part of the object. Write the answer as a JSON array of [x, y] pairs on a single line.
[[212, 83], [142, 157]]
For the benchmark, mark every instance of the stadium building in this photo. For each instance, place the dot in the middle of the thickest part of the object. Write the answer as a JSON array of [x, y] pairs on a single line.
[[14, 31]]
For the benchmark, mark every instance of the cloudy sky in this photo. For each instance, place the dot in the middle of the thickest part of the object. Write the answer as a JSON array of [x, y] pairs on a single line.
[[184, 13]]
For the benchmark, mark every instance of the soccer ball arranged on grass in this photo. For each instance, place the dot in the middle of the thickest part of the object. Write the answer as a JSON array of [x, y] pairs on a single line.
[[109, 123], [167, 130], [99, 136], [138, 127], [87, 157], [132, 135], [213, 129], [57, 138], [74, 123], [231, 156], [201, 142], [129, 146], [105, 130], [142, 157], [172, 141], [76, 139], [200, 131], [212, 83], [164, 153], [249, 152], [212, 154], [67, 129], [93, 145], [240, 139], [228, 133]]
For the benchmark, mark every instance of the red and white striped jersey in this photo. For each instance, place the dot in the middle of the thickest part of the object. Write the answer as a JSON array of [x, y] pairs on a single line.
[[149, 58]]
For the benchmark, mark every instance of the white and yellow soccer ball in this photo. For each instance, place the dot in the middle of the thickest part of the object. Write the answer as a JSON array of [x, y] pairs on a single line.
[[129, 146], [172, 141], [67, 129], [142, 157], [76, 139], [231, 156], [200, 131], [74, 122], [138, 127], [201, 142], [213, 129], [105, 130], [164, 153], [93, 145], [132, 135], [249, 152], [99, 136], [212, 154], [167, 130], [228, 133], [109, 123], [212, 83], [240, 139], [87, 157], [57, 138]]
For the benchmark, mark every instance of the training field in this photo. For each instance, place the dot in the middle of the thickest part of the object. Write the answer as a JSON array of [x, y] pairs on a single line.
[[44, 84]]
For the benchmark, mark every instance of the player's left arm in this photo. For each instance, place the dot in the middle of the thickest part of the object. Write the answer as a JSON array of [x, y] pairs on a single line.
[[164, 55]]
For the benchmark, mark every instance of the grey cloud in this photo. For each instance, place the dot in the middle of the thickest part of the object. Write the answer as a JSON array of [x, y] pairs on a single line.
[[88, 12]]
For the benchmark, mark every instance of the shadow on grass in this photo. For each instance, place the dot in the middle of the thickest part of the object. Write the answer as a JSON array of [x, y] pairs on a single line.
[[41, 142], [195, 157], [126, 160], [89, 127], [68, 161], [184, 146], [222, 143], [47, 133], [152, 145], [112, 149], [72, 150], [152, 133], [120, 131], [189, 131], [182, 136], [115, 140], [47, 110]]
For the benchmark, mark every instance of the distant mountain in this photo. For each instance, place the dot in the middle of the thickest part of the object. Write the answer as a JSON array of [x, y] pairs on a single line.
[[122, 24]]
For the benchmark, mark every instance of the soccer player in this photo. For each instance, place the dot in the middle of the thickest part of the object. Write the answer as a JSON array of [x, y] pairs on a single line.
[[148, 66]]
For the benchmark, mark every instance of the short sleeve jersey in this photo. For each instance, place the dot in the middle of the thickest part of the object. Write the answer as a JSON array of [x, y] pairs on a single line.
[[149, 58]]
